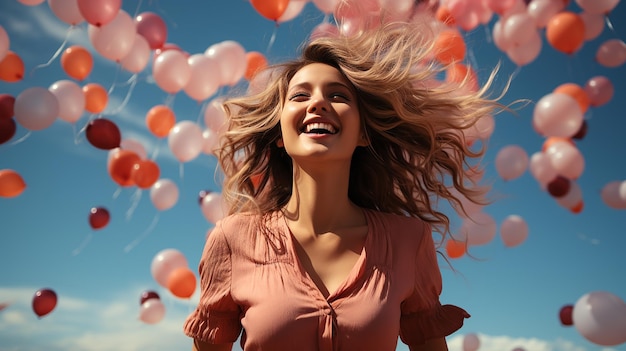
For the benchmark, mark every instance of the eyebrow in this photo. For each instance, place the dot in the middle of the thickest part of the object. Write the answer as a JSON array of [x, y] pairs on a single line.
[[330, 85]]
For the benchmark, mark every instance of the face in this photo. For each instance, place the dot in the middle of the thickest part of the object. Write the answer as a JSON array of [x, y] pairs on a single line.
[[320, 117]]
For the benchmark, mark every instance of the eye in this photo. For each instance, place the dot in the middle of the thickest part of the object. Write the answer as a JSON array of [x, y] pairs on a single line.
[[340, 96], [298, 96]]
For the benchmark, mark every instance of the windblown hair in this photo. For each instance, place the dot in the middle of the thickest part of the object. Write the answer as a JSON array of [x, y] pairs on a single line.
[[417, 147]]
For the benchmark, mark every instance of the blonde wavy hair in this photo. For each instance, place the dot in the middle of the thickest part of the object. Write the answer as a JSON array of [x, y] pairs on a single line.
[[417, 147]]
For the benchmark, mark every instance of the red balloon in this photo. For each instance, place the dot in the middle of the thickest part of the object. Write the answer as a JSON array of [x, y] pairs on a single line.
[[559, 187], [565, 315], [103, 134], [7, 129], [152, 27], [44, 301], [99, 217], [582, 132], [6, 106], [147, 295]]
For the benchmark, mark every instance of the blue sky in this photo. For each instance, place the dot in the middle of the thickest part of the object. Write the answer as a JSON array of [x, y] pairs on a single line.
[[513, 293]]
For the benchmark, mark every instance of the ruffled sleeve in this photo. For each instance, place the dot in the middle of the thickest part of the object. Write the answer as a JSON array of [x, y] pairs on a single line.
[[216, 319], [423, 316]]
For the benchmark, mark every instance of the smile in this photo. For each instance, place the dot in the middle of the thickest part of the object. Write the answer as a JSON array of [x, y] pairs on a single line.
[[319, 128]]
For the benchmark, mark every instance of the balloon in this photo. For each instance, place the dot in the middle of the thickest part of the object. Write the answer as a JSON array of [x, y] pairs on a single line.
[[204, 81], [231, 57], [462, 73], [294, 8], [120, 166], [164, 194], [255, 62], [573, 199], [7, 103], [575, 91], [479, 229], [160, 119], [115, 39], [566, 32], [152, 311], [213, 207], [67, 11], [559, 186], [153, 28], [101, 12], [518, 29], [185, 141], [443, 15], [8, 127], [44, 302], [597, 6], [449, 46], [326, 6], [98, 217], [270, 9], [209, 142], [96, 97], [543, 10], [565, 315], [103, 134], [134, 146], [145, 173], [611, 53], [11, 183], [31, 2], [540, 166], [181, 282], [11, 68], [215, 116], [513, 230], [566, 159], [171, 71], [482, 129], [71, 100], [600, 90], [77, 62], [164, 263], [594, 24], [511, 162], [471, 342], [612, 196], [500, 6], [147, 295], [36, 108], [5, 43], [455, 248], [600, 317], [557, 114], [137, 59], [526, 53]]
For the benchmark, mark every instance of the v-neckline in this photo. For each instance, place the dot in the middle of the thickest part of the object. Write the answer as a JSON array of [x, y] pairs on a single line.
[[350, 279]]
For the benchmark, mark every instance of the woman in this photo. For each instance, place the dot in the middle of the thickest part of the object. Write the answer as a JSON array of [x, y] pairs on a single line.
[[332, 173]]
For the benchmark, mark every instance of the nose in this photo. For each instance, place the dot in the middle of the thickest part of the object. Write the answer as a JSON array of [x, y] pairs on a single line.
[[318, 104]]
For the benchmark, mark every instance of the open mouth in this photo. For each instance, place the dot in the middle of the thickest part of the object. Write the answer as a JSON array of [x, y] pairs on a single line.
[[319, 128]]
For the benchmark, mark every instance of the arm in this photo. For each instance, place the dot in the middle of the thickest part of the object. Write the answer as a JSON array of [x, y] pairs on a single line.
[[431, 345], [205, 346]]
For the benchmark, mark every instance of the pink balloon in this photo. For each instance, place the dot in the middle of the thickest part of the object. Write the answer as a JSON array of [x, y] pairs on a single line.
[[4, 43], [511, 162], [597, 6], [471, 342], [518, 29], [67, 11], [594, 24], [171, 71], [204, 81], [137, 59], [231, 57], [470, 207], [101, 12], [164, 194], [326, 6], [573, 197], [566, 159], [209, 141], [479, 229], [71, 100], [612, 196], [213, 207], [540, 166], [294, 8], [497, 33], [513, 230], [482, 130], [324, 30], [527, 52], [185, 141], [152, 311], [164, 262], [152, 27], [611, 53], [543, 10], [500, 6], [600, 90], [557, 115], [134, 146], [115, 39], [600, 317], [215, 116], [36, 108], [468, 14]]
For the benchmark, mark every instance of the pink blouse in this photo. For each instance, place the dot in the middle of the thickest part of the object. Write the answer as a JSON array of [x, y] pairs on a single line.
[[251, 278]]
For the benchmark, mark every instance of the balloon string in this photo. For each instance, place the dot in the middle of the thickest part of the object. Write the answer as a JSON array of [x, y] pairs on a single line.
[[117, 193], [57, 53], [181, 169], [113, 85], [143, 235], [82, 245], [201, 113], [22, 138], [82, 130], [135, 199], [133, 82], [609, 24], [515, 73], [155, 153], [488, 34], [137, 9], [169, 101], [272, 39]]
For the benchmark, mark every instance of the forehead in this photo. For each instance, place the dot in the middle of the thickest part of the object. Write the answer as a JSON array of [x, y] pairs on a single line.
[[318, 73]]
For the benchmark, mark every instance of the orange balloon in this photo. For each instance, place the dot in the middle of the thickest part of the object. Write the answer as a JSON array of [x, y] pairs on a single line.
[[96, 98], [458, 72], [256, 61], [554, 139], [77, 62], [181, 282], [11, 68], [145, 173], [160, 119], [11, 183], [120, 166], [449, 47], [444, 16], [578, 208], [577, 92], [566, 32], [455, 248], [270, 9]]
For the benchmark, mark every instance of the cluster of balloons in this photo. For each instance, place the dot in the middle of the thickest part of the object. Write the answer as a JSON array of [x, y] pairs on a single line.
[[599, 316], [44, 302], [170, 269]]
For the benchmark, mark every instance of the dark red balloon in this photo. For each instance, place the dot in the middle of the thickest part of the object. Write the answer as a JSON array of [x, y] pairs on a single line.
[[152, 27], [582, 132], [6, 106], [99, 217], [44, 301], [7, 129], [565, 315], [147, 295], [559, 187], [103, 134], [202, 194]]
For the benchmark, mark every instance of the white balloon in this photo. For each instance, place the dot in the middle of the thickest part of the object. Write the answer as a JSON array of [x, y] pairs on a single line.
[[511, 162], [213, 207], [479, 229], [185, 141], [164, 194], [600, 317], [513, 230], [152, 311]]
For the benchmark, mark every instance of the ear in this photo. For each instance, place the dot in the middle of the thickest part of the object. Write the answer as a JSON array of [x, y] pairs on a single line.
[[280, 143]]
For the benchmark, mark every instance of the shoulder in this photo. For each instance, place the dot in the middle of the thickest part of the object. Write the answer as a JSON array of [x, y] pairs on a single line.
[[404, 231]]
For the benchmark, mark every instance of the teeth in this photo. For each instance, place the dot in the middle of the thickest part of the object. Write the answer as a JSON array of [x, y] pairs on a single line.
[[320, 127]]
